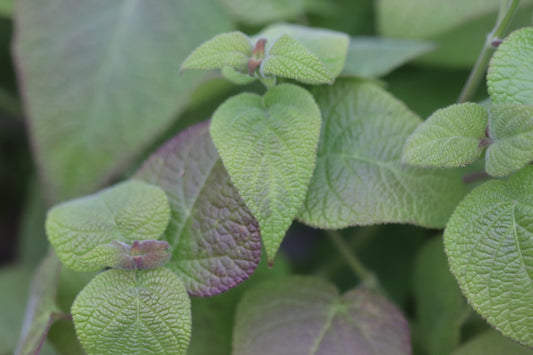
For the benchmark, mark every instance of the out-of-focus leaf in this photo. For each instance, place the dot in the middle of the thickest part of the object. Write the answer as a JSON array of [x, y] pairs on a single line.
[[303, 315], [492, 343], [260, 12], [101, 80], [375, 56], [215, 243]]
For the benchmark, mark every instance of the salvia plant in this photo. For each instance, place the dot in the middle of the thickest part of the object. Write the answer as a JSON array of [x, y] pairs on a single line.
[[165, 238]]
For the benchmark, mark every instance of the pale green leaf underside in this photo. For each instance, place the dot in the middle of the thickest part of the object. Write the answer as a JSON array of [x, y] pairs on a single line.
[[305, 315], [133, 312], [268, 146], [80, 229], [492, 343], [329, 46], [227, 49], [236, 77], [288, 58], [489, 243], [449, 138], [359, 178], [375, 56], [260, 12], [511, 129], [510, 75]]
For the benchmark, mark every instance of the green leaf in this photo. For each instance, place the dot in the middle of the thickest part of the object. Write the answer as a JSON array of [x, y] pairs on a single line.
[[83, 230], [491, 343], [236, 77], [227, 49], [489, 243], [450, 137], [359, 178], [6, 8], [215, 239], [101, 81], [304, 315], [258, 12], [511, 132], [510, 75], [268, 146], [41, 309], [288, 58], [440, 307], [329, 46], [133, 312], [375, 57]]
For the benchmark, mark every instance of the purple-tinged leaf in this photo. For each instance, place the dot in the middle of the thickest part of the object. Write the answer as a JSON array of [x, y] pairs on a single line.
[[214, 240], [303, 315]]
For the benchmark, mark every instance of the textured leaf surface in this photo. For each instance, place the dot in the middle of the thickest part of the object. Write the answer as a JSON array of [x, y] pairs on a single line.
[[214, 239], [492, 343], [133, 312], [449, 138], [441, 308], [268, 145], [329, 46], [511, 129], [374, 56], [510, 76], [258, 12], [227, 49], [489, 243], [359, 178], [300, 315], [41, 307], [82, 230], [288, 58], [101, 80]]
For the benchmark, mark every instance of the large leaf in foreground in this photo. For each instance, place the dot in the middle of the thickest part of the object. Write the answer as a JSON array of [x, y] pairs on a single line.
[[101, 80], [299, 315], [489, 242], [359, 178], [510, 75], [133, 312], [511, 130], [214, 239], [84, 231], [268, 145]]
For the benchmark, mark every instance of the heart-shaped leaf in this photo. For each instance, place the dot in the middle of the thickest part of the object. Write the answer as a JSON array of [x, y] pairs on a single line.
[[359, 178], [304, 315], [268, 145], [82, 230], [489, 243], [511, 132], [510, 75], [227, 49], [133, 312], [215, 243], [101, 81], [451, 137]]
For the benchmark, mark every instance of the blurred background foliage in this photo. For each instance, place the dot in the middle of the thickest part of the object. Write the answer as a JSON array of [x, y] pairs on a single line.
[[409, 261]]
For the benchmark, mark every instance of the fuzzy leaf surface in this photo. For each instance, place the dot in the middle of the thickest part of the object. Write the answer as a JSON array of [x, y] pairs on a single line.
[[227, 49], [287, 58], [268, 145], [329, 46], [510, 74], [489, 243], [82, 230], [305, 315], [133, 312], [101, 81], [511, 129], [359, 178], [373, 57], [215, 242], [449, 138]]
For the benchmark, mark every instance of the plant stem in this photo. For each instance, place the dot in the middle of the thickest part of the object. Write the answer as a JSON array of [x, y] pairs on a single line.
[[504, 18], [357, 267]]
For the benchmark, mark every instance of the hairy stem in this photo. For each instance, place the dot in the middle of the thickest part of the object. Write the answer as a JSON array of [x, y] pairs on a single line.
[[504, 18]]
